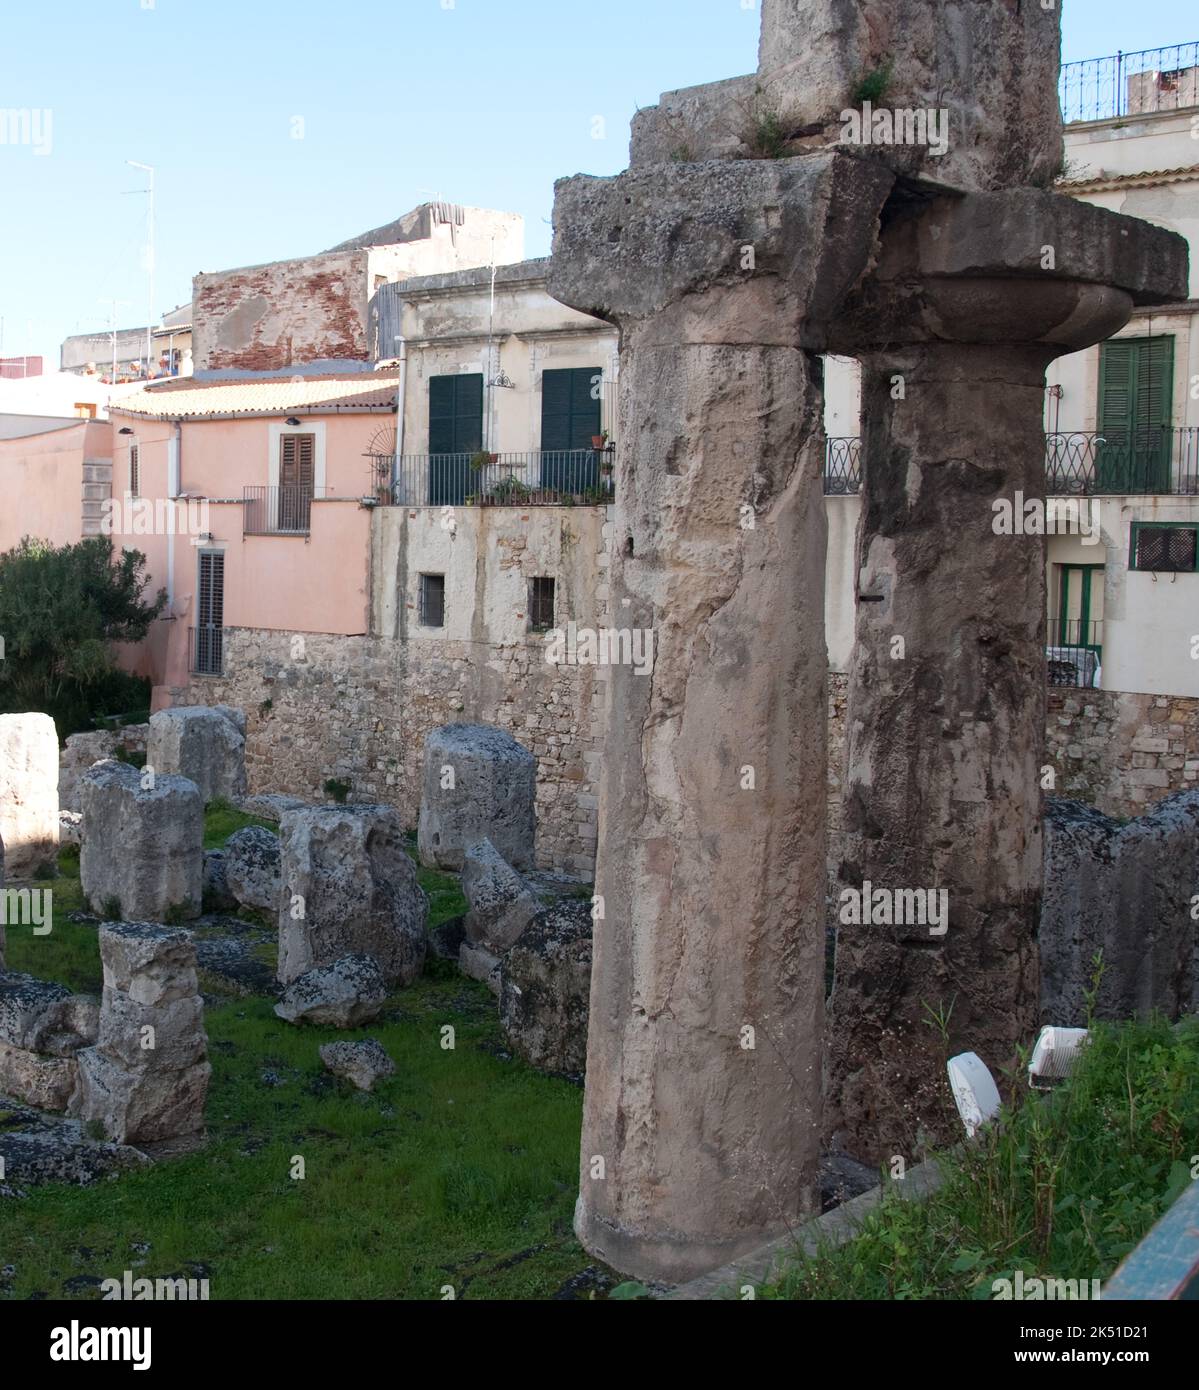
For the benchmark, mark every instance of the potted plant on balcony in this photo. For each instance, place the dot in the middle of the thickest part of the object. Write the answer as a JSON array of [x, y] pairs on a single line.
[[482, 457], [599, 441]]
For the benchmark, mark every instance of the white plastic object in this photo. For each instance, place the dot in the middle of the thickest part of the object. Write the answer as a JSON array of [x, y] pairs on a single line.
[[974, 1091], [1054, 1056]]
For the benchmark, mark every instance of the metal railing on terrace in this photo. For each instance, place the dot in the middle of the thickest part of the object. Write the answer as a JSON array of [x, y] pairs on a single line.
[[541, 478], [1074, 651], [1154, 460], [1131, 84], [206, 651], [277, 511]]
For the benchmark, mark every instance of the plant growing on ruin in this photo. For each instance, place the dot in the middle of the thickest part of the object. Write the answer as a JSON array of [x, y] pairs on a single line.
[[337, 791], [63, 609], [874, 86]]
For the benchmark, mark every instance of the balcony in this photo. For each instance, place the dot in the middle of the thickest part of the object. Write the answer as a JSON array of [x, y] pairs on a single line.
[[206, 651], [1074, 652], [277, 511], [541, 478], [1157, 461], [1131, 84]]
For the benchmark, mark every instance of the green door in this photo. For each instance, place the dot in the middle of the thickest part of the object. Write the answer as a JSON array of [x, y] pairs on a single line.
[[1136, 383], [455, 434], [570, 416]]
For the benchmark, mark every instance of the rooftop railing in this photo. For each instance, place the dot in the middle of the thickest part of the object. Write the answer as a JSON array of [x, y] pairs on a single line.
[[1131, 84]]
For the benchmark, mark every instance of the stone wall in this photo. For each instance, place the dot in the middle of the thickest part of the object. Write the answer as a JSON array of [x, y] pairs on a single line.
[[1113, 750], [357, 710]]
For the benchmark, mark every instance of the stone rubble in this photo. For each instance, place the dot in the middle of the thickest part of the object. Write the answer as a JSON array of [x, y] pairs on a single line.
[[478, 781], [361, 1063], [345, 993], [206, 744], [28, 793]]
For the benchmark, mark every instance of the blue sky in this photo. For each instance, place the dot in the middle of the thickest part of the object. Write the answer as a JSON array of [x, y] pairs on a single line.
[[482, 101]]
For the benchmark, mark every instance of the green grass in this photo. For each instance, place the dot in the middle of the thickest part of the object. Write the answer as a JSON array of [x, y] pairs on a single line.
[[461, 1169], [1064, 1185], [221, 819]]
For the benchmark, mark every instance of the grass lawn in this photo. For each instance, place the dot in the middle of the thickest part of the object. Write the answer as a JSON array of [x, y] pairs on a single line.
[[1062, 1186], [459, 1170]]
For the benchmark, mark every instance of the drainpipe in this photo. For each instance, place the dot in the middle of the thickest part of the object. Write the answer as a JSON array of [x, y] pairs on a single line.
[[403, 356]]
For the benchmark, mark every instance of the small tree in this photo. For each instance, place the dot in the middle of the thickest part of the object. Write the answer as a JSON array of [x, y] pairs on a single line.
[[62, 609]]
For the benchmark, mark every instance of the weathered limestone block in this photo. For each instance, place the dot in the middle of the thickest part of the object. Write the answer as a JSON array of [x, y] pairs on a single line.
[[132, 1105], [82, 751], [70, 828], [991, 68], [478, 781], [344, 994], [501, 903], [67, 1026], [46, 1082], [349, 887], [478, 963], [143, 847], [60, 1153], [361, 1063], [25, 1006], [545, 985], [28, 792], [252, 867], [271, 805], [205, 744], [711, 864], [1123, 889], [147, 1078]]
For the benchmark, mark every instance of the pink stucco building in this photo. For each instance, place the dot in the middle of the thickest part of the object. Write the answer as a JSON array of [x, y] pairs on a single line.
[[250, 499]]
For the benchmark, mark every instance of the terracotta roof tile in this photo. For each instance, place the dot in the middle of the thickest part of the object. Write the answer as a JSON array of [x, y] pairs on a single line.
[[187, 399]]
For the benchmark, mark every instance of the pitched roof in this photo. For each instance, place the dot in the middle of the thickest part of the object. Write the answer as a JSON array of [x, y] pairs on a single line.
[[184, 398], [1148, 178]]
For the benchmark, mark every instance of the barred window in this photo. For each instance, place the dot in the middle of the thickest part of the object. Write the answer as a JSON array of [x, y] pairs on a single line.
[[541, 604], [1165, 549], [135, 471], [432, 600]]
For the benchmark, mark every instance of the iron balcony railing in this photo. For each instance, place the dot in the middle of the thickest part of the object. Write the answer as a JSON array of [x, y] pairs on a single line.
[[206, 651], [1131, 84], [542, 478], [277, 511], [1074, 651], [1157, 460]]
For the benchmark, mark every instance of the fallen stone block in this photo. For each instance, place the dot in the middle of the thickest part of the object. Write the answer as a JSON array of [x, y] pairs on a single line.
[[349, 887], [501, 903], [207, 745], [28, 793], [84, 751], [67, 1026], [168, 1035], [47, 1082], [152, 964], [1124, 889], [478, 782], [478, 963], [60, 1153], [545, 986], [271, 805], [362, 1063], [138, 1104], [344, 994], [143, 845], [252, 867], [25, 1003]]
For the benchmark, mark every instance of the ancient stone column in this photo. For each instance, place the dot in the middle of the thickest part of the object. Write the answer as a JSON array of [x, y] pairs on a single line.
[[970, 299], [701, 1120]]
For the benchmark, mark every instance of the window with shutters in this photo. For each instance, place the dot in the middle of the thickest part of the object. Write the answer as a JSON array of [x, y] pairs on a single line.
[[571, 399], [541, 604], [432, 600], [135, 471], [1136, 391], [208, 636], [1165, 547], [455, 435], [297, 482]]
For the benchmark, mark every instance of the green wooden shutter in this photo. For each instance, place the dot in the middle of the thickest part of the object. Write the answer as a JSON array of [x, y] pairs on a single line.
[[1136, 391], [456, 413], [570, 407], [1117, 361]]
